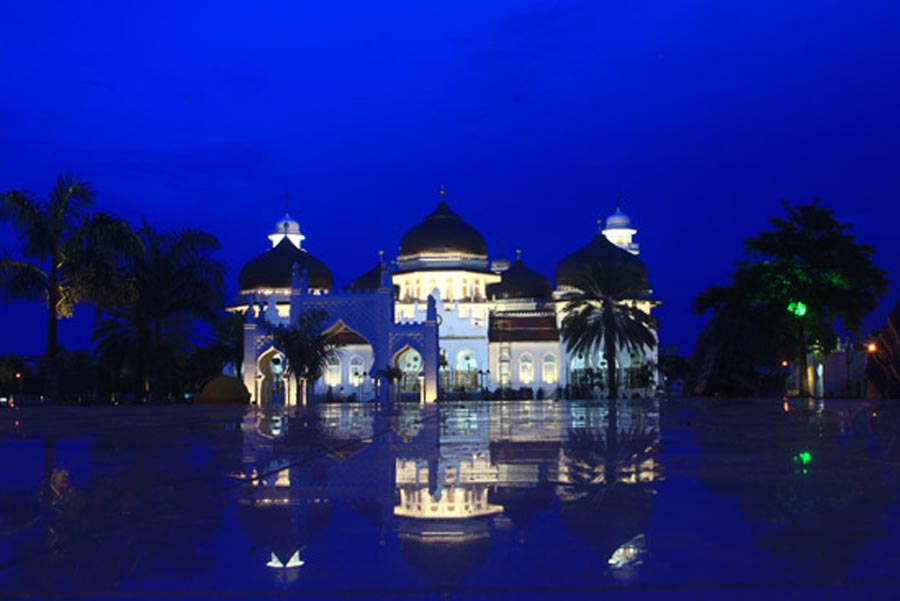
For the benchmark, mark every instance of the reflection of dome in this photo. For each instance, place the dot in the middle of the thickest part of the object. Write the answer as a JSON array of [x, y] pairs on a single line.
[[618, 220], [282, 529], [274, 268], [588, 518], [445, 565], [223, 389], [443, 231], [600, 254], [523, 504], [520, 281]]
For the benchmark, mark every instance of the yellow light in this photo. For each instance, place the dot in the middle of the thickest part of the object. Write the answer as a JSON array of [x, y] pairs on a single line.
[[785, 363], [872, 347]]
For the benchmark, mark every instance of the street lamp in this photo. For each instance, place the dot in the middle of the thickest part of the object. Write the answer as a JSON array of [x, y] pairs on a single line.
[[483, 375]]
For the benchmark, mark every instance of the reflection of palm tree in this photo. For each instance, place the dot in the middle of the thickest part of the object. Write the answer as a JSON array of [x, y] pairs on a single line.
[[171, 283], [610, 498], [603, 311], [76, 257]]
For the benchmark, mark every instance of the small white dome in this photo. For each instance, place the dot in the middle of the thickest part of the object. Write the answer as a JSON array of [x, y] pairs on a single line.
[[287, 225], [618, 220]]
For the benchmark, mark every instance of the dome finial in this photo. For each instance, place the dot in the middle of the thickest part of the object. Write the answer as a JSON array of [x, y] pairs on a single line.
[[287, 203], [619, 199], [518, 254], [442, 191]]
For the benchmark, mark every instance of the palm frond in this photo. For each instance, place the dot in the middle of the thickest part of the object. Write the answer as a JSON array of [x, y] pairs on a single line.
[[22, 281]]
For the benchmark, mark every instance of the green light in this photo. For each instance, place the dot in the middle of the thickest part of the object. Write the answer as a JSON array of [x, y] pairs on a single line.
[[803, 458], [798, 308]]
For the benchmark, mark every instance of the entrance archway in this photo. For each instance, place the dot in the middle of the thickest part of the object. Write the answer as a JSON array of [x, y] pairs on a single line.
[[409, 361], [271, 379]]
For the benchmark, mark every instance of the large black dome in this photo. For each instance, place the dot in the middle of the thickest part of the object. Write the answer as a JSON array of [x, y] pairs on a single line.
[[599, 254], [442, 231], [520, 281], [274, 269]]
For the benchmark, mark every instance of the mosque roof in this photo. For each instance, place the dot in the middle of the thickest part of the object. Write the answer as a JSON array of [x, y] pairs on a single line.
[[522, 328], [443, 231], [274, 268], [520, 281], [598, 254], [369, 281]]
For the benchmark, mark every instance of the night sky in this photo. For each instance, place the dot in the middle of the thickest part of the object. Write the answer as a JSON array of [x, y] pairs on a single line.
[[705, 114]]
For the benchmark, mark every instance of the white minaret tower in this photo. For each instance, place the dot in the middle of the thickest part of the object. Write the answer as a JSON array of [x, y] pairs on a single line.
[[619, 231], [287, 226]]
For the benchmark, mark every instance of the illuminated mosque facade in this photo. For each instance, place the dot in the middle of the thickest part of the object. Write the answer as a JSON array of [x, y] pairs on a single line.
[[450, 320]]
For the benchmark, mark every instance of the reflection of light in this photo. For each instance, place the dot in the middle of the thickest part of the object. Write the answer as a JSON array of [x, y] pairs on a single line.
[[629, 553], [293, 562]]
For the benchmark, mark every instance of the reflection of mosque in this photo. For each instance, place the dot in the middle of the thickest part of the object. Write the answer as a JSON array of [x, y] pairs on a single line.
[[445, 479], [497, 322]]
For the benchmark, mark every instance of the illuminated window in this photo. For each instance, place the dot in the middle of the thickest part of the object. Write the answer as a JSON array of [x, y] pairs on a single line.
[[526, 368], [465, 288], [333, 372], [418, 288], [466, 361], [476, 289], [504, 369], [449, 290], [548, 369]]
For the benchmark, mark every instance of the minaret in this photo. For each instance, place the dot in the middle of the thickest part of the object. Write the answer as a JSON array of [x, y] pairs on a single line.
[[287, 226], [619, 230]]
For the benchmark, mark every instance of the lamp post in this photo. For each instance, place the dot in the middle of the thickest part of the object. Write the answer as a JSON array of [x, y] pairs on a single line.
[[483, 373], [799, 309]]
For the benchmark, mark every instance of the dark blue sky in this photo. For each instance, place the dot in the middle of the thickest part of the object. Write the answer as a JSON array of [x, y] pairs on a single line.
[[533, 114]]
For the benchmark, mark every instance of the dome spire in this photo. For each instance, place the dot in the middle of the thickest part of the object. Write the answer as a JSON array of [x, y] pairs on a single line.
[[618, 228], [287, 227]]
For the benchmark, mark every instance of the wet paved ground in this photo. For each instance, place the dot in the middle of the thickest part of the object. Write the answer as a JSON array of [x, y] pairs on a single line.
[[699, 499]]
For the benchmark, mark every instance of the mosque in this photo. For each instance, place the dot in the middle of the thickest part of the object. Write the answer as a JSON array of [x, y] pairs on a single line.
[[443, 318]]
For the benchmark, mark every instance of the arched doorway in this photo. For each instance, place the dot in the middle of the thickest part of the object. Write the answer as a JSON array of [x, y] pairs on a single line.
[[272, 380], [466, 370], [409, 361]]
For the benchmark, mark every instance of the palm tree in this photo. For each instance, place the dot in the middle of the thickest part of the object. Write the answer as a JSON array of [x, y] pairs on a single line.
[[70, 255], [392, 374], [603, 310], [171, 284], [307, 349]]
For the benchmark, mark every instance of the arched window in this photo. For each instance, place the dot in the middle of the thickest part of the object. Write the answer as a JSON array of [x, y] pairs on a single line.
[[548, 369], [466, 361], [449, 291], [333, 371], [526, 368], [504, 369], [465, 288], [476, 289], [418, 288]]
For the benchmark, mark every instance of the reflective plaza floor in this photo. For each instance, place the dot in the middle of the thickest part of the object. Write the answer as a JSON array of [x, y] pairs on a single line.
[[513, 499]]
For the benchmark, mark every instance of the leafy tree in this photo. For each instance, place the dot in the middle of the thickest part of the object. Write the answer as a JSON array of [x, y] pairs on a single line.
[[796, 281], [306, 347], [603, 311], [171, 284], [70, 255]]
